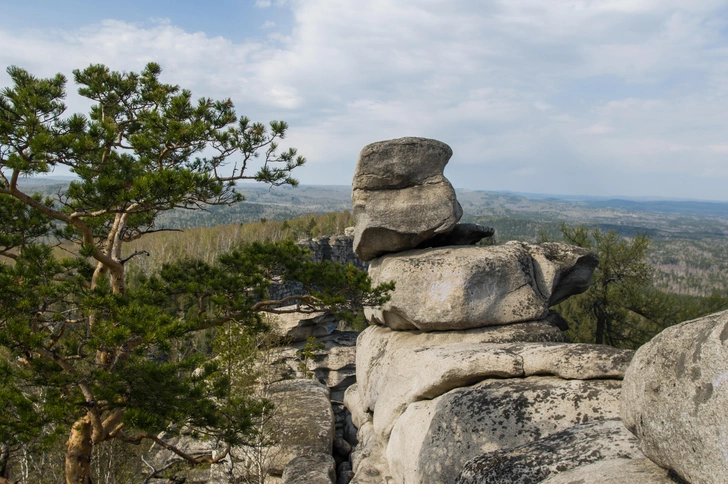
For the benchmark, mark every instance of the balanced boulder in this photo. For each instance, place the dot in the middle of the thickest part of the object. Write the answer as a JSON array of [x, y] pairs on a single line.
[[400, 196]]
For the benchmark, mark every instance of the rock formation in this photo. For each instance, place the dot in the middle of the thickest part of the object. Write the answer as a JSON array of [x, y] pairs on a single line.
[[675, 399], [464, 366], [391, 178]]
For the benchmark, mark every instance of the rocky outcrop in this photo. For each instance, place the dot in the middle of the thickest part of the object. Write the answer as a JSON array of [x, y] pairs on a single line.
[[675, 399], [536, 461], [332, 365], [444, 362], [469, 287], [296, 327], [335, 248], [465, 359], [393, 177]]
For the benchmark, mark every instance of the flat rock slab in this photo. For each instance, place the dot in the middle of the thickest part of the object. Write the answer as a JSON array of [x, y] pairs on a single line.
[[616, 471], [462, 287], [432, 440], [580, 445], [675, 399], [396, 369]]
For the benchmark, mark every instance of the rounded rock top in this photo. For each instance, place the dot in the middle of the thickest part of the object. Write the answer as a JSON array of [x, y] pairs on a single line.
[[400, 163]]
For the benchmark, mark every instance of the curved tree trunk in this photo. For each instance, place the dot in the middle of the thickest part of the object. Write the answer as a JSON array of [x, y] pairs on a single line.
[[79, 450]]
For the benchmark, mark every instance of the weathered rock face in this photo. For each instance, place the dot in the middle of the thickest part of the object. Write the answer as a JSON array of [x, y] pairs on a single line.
[[580, 445], [305, 421], [311, 469], [615, 471], [400, 163], [334, 248], [675, 399], [333, 365], [433, 439], [297, 327], [469, 287], [400, 197], [456, 359]]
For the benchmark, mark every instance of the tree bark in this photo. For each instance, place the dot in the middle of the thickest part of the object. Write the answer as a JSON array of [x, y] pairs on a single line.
[[79, 450]]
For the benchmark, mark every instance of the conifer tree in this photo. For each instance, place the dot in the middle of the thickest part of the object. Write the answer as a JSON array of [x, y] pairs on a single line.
[[82, 352]]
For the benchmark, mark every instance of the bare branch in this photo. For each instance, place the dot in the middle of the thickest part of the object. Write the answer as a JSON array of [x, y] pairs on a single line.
[[134, 254], [188, 457]]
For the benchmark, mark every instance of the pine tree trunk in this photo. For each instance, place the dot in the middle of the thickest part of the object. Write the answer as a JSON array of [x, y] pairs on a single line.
[[79, 450]]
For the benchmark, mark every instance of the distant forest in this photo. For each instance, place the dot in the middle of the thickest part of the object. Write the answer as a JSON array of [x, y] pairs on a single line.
[[689, 240]]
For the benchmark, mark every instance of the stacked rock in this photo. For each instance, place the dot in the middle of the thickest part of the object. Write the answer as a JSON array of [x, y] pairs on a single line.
[[464, 364]]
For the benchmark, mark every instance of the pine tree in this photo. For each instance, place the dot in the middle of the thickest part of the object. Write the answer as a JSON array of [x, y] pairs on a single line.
[[85, 354]]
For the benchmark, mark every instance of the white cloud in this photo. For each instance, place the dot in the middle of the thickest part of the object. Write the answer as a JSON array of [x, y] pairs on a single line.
[[532, 95]]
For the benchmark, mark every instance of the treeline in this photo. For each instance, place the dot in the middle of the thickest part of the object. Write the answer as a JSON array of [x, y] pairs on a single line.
[[683, 263], [206, 244], [678, 280]]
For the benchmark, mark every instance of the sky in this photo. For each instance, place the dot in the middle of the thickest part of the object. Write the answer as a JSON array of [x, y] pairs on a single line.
[[573, 97]]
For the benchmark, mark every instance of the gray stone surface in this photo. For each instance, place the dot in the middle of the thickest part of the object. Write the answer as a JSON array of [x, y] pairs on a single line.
[[675, 399], [584, 444], [457, 288], [400, 197], [304, 421], [400, 163], [397, 368], [615, 471], [368, 460], [333, 366], [396, 220], [296, 327], [310, 469], [334, 248], [433, 439]]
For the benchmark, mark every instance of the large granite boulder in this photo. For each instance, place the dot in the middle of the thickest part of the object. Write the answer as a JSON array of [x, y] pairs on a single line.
[[449, 360], [400, 197], [580, 445], [464, 287], [433, 439], [675, 399]]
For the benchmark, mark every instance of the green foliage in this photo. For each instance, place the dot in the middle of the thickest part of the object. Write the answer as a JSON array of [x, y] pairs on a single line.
[[84, 353], [623, 308], [307, 355], [207, 243]]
